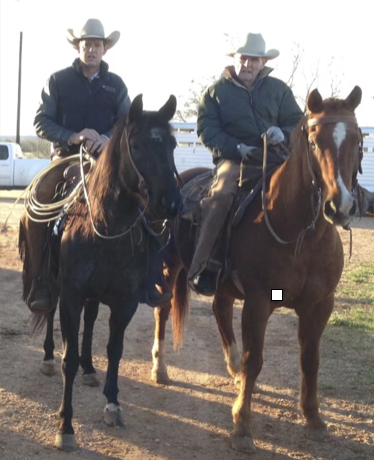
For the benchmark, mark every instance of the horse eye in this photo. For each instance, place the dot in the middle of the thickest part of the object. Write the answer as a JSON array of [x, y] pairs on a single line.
[[134, 146]]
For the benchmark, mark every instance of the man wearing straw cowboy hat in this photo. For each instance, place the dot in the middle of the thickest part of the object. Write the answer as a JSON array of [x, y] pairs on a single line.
[[82, 102], [233, 115], [79, 104]]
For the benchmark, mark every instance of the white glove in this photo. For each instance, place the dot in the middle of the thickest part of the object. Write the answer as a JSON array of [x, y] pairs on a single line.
[[244, 149], [274, 135]]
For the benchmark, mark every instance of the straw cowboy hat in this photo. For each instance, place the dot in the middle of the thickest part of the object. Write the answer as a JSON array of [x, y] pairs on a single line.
[[92, 29], [255, 46]]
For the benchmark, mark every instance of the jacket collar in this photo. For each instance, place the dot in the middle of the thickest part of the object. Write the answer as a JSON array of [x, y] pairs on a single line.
[[104, 67], [230, 74]]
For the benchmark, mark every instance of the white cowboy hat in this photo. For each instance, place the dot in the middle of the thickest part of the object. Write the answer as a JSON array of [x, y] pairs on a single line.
[[255, 46], [92, 29]]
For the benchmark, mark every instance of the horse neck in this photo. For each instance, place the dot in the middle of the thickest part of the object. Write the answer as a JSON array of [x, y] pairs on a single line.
[[290, 192]]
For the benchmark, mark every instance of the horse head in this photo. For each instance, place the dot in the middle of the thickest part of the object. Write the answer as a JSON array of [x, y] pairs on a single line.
[[334, 152], [149, 173]]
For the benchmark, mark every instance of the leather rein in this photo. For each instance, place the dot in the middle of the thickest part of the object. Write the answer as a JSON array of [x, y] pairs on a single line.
[[316, 187]]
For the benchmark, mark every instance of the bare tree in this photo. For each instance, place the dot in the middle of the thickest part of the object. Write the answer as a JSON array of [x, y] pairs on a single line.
[[190, 106]]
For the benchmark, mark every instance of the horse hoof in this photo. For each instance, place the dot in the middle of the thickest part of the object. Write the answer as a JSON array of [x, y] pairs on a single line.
[[161, 378], [319, 434], [243, 444], [65, 442], [113, 415], [91, 380], [48, 368]]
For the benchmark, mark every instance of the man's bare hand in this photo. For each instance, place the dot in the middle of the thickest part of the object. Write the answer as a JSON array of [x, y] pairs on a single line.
[[93, 142], [97, 146]]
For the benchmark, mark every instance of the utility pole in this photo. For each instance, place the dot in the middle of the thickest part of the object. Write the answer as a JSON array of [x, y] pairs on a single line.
[[19, 89]]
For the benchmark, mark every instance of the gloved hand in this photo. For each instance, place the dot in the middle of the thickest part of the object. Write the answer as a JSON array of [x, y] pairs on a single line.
[[274, 135], [244, 149]]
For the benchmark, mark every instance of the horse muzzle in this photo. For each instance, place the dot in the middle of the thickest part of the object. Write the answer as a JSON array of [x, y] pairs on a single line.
[[337, 214]]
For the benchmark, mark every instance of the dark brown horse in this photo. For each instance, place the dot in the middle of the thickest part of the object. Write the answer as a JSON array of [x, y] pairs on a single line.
[[287, 241], [105, 251]]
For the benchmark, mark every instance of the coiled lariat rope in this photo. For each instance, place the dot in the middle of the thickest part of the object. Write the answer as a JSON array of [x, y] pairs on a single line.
[[48, 212]]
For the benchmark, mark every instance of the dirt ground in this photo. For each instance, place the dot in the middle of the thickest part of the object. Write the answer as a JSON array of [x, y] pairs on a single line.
[[191, 419]]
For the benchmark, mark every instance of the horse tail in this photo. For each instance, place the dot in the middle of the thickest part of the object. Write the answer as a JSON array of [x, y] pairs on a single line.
[[24, 255], [38, 322], [180, 307]]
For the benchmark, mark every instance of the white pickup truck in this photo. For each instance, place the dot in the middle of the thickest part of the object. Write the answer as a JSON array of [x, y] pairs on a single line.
[[15, 170]]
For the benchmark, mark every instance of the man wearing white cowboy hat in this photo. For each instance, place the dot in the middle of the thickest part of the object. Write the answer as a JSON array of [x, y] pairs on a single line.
[[80, 104], [233, 115]]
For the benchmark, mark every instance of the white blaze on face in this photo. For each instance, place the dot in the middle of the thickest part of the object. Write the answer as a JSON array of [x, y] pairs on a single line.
[[339, 135]]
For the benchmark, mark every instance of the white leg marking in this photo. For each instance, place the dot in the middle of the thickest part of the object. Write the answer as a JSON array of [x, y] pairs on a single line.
[[232, 359]]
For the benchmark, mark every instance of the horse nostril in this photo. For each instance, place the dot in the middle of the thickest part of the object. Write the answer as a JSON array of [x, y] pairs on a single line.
[[330, 209]]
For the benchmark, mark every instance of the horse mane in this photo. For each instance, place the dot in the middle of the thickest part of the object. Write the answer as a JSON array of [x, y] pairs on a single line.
[[107, 175], [104, 180]]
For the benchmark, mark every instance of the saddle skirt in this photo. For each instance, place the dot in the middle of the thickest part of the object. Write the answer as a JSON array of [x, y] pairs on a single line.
[[198, 188]]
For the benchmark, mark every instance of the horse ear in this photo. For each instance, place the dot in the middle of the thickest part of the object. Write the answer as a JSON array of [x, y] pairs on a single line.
[[314, 102], [354, 99], [168, 110], [136, 108]]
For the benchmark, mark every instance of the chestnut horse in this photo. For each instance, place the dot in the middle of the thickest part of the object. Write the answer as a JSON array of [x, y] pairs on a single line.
[[286, 240], [105, 253]]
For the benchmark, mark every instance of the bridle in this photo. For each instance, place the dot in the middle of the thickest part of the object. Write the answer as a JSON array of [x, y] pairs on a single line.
[[143, 193], [316, 187]]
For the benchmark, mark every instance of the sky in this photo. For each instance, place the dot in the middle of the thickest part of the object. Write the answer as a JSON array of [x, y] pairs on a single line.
[[165, 44]]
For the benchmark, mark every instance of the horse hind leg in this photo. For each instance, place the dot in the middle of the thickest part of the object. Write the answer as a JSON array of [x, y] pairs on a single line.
[[176, 278], [311, 327], [91, 309], [159, 372], [223, 312]]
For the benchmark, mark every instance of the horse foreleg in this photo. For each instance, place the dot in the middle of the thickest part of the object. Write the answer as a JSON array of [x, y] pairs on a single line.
[[223, 312], [159, 373], [312, 323], [120, 317], [69, 319], [91, 309], [48, 364], [254, 321]]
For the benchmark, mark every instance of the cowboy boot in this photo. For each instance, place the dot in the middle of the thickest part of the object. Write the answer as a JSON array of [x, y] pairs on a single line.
[[205, 283], [158, 295], [40, 299]]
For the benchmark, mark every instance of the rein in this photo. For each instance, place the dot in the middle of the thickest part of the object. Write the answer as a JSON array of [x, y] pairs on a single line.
[[300, 239], [316, 208]]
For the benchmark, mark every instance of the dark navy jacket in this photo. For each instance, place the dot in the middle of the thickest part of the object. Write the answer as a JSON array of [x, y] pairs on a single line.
[[70, 103]]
